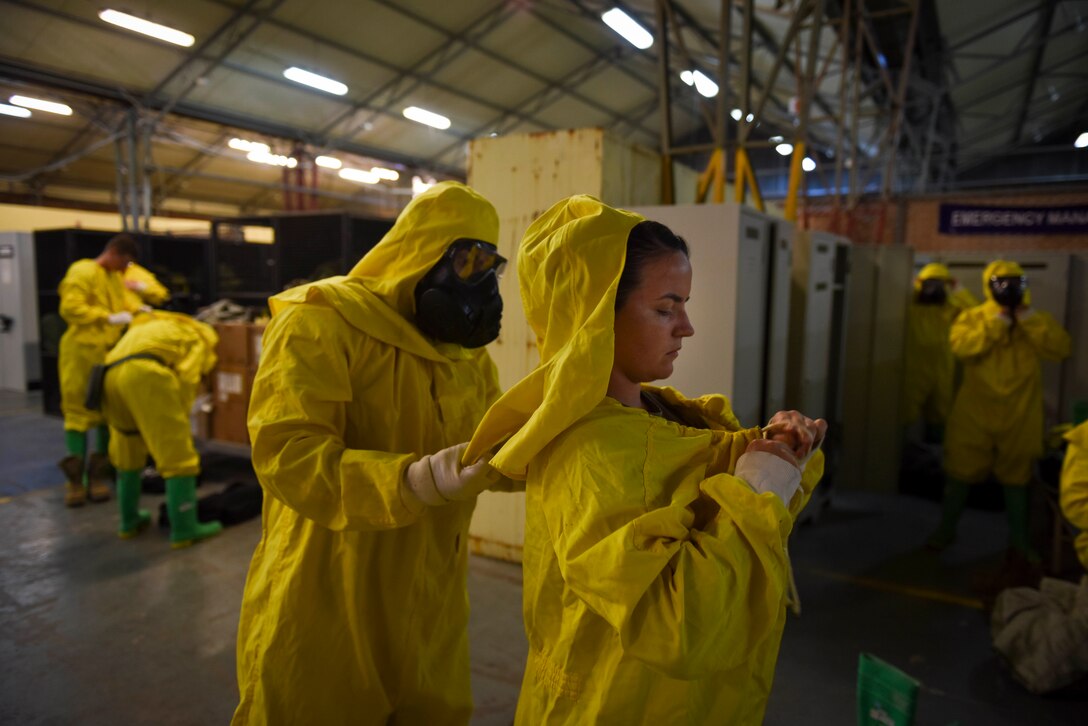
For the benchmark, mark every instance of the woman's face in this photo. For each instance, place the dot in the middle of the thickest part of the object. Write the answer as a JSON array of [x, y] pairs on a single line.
[[653, 321]]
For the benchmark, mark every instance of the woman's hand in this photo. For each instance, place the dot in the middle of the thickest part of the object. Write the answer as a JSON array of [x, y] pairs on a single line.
[[798, 432], [776, 448]]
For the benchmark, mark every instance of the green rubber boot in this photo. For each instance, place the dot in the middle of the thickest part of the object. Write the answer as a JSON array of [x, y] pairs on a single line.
[[955, 501], [181, 505], [1016, 508], [133, 519]]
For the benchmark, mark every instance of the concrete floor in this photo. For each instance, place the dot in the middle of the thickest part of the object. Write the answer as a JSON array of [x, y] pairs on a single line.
[[95, 630]]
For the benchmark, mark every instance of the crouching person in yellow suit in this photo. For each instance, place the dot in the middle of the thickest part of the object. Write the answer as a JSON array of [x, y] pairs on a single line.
[[147, 393]]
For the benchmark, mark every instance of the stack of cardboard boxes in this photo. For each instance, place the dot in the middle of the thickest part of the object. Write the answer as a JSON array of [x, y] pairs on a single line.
[[239, 353]]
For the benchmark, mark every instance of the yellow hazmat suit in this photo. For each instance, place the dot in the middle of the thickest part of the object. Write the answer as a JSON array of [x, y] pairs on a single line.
[[355, 609], [654, 581], [146, 403], [1074, 487], [89, 294], [930, 366], [149, 291], [996, 424]]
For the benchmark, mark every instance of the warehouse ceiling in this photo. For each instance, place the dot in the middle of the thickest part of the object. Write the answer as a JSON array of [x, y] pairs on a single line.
[[995, 93]]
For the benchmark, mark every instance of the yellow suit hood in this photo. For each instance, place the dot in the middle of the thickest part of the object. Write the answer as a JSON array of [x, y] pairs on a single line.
[[378, 295], [1002, 268], [569, 264]]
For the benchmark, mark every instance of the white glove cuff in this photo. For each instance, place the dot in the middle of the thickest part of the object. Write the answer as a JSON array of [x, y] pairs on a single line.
[[766, 472], [421, 484]]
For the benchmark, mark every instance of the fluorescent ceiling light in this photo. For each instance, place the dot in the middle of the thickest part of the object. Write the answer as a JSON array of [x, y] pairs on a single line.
[[736, 114], [702, 83], [428, 118], [419, 186], [626, 26], [383, 173], [776, 139], [263, 157], [39, 105], [808, 164], [244, 145], [784, 149], [146, 27], [14, 111], [1081, 141], [313, 80], [328, 162], [358, 175]]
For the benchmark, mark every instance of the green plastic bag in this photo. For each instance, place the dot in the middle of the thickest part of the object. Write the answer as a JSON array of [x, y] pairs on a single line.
[[886, 695]]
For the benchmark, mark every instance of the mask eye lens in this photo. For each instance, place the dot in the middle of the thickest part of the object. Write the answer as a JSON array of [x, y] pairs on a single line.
[[471, 258]]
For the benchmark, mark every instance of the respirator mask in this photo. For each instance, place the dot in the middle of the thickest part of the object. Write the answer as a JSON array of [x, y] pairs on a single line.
[[458, 300]]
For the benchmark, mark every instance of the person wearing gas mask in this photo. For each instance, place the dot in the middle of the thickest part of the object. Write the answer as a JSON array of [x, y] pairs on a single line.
[[355, 608], [996, 423], [930, 366]]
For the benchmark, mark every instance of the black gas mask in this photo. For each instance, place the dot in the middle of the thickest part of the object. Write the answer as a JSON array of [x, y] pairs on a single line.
[[934, 291], [458, 300], [1009, 291]]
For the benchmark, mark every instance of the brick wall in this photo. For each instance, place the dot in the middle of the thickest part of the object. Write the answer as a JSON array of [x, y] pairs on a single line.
[[920, 223]]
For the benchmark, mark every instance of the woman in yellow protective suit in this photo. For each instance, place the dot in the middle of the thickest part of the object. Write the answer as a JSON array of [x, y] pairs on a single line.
[[655, 566], [996, 423], [930, 366], [1074, 487], [148, 391], [94, 304], [355, 609]]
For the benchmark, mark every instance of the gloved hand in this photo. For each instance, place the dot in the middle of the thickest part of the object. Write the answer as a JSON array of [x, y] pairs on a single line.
[[136, 285], [122, 318], [439, 478], [770, 466]]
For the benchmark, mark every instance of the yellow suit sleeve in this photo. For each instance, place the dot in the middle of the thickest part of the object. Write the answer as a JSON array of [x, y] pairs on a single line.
[[75, 300], [1074, 486], [692, 586], [975, 331], [297, 419], [1049, 339]]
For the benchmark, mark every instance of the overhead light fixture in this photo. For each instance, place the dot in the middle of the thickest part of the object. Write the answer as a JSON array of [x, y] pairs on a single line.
[[784, 149], [17, 111], [808, 164], [1081, 141], [425, 117], [736, 113], [702, 83], [387, 174], [38, 104], [360, 176], [263, 157], [146, 27], [328, 162], [776, 139], [245, 145], [626, 26], [419, 185], [313, 80]]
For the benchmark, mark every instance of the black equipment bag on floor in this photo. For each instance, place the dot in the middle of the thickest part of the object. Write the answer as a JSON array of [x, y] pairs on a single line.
[[239, 502]]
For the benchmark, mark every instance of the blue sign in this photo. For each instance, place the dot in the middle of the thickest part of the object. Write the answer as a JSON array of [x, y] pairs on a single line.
[[974, 219]]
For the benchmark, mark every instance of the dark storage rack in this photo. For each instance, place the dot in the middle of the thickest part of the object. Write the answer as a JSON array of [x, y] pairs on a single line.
[[304, 247]]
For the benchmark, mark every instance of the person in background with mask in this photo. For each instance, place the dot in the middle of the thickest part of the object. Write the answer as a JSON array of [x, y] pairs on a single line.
[[655, 565], [930, 366], [94, 304], [996, 423], [355, 609], [148, 390]]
